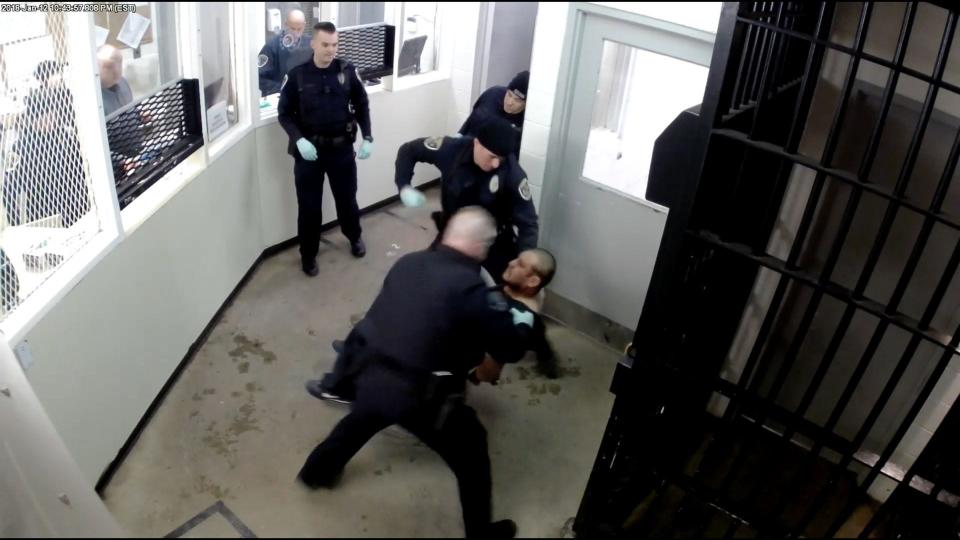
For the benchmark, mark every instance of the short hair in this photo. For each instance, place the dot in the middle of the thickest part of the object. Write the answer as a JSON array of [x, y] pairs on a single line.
[[325, 26], [471, 225], [109, 52], [297, 14], [545, 267]]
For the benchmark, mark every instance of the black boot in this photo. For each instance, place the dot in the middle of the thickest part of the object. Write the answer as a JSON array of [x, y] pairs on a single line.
[[358, 249], [504, 528]]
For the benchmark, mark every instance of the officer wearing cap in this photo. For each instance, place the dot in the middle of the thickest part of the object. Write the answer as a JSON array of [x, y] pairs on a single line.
[[321, 103], [482, 171], [507, 102], [283, 52]]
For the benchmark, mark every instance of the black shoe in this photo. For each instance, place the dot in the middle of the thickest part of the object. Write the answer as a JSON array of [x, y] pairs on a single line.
[[504, 528], [317, 484], [315, 388], [358, 249], [337, 346], [310, 268]]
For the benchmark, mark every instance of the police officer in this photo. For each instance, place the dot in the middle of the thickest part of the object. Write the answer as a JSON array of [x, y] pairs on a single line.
[[507, 102], [523, 282], [428, 327], [479, 171], [283, 52], [320, 105]]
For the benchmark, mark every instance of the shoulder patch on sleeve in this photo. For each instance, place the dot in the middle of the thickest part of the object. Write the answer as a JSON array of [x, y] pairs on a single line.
[[497, 301], [524, 189], [262, 60], [433, 143]]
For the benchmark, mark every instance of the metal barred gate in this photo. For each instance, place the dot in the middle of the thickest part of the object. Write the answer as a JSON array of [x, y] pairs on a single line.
[[795, 369]]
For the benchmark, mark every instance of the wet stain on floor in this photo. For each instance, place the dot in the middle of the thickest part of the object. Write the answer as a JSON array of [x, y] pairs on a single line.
[[255, 347], [222, 441], [203, 485]]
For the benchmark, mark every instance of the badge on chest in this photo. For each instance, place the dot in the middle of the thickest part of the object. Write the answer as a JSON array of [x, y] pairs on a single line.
[[494, 184]]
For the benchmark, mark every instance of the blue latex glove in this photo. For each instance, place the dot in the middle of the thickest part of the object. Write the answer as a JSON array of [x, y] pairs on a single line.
[[412, 197], [522, 317], [365, 148], [307, 150]]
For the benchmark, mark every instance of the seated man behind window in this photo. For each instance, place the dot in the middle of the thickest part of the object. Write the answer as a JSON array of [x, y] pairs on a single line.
[[283, 52], [116, 91]]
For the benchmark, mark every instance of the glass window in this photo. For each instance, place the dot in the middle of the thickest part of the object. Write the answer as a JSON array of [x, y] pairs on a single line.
[[218, 54], [137, 52], [286, 43], [631, 111], [357, 13], [418, 41], [48, 210]]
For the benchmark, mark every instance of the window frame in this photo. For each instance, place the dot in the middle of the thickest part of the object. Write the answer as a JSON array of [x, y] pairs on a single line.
[[81, 54], [442, 65], [239, 71]]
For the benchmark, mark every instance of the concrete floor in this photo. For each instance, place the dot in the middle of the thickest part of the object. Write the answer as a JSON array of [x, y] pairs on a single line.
[[220, 455]]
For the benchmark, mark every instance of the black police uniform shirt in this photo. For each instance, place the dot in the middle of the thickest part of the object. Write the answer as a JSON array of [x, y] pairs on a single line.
[[490, 104], [434, 313], [505, 192], [330, 103], [275, 61], [536, 338]]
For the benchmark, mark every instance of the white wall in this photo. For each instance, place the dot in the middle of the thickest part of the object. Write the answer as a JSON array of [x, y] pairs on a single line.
[[511, 42], [396, 117], [464, 35], [104, 351], [541, 93]]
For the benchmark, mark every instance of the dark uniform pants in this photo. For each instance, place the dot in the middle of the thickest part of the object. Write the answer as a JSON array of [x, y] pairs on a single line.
[[338, 163], [461, 442]]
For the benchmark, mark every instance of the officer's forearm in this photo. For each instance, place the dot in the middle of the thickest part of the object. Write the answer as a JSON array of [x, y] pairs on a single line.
[[268, 86], [288, 125], [405, 163], [363, 118]]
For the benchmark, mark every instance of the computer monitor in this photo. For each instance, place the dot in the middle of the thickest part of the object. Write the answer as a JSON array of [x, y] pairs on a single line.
[[410, 52]]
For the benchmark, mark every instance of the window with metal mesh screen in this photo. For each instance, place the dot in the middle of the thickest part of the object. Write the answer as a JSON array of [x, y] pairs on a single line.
[[48, 205], [153, 137], [369, 47]]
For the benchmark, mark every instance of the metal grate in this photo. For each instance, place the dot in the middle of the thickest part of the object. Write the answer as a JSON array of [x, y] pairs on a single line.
[[151, 137], [369, 47], [803, 315], [48, 208]]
